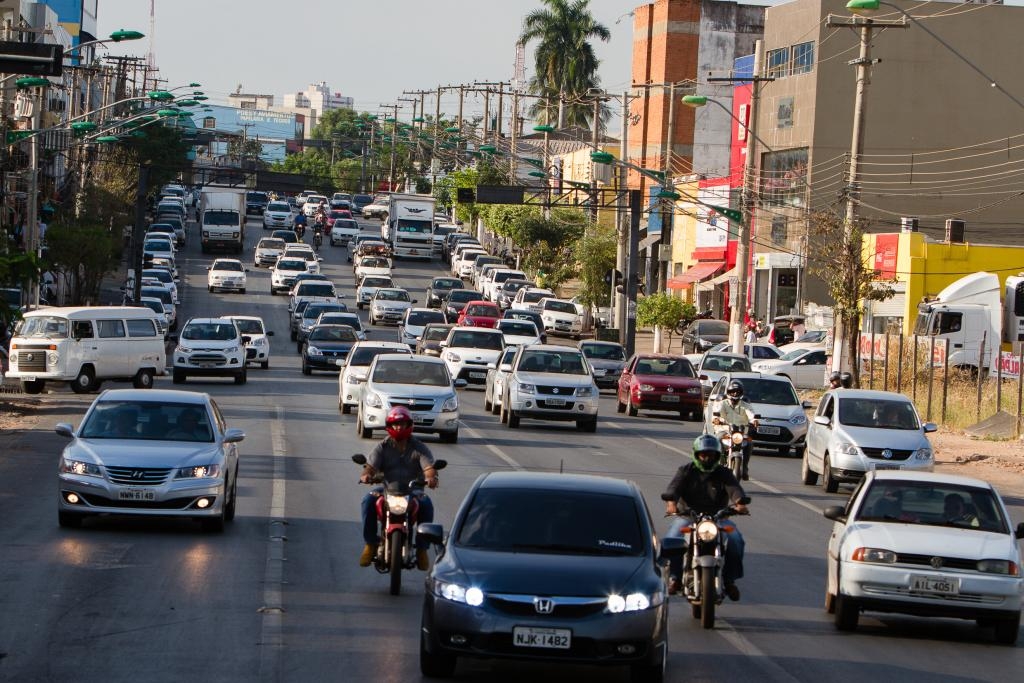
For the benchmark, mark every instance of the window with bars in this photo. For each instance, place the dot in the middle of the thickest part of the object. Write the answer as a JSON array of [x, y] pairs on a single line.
[[778, 62]]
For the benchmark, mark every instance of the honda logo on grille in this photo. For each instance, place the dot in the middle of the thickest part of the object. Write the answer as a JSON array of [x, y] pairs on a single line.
[[544, 605]]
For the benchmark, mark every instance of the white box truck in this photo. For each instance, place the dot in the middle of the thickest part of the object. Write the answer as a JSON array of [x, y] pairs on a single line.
[[222, 218], [409, 225]]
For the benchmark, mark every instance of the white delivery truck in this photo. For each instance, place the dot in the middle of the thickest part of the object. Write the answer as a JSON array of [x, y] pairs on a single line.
[[409, 225], [222, 218], [965, 314]]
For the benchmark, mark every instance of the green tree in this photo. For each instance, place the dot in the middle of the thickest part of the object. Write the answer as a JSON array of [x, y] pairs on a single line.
[[314, 164], [595, 253], [85, 254], [564, 61], [660, 310]]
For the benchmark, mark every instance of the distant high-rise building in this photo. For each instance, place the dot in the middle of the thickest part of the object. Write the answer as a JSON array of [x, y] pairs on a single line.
[[317, 97]]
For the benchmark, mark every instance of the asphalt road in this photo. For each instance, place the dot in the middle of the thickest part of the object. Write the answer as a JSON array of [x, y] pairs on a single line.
[[280, 597]]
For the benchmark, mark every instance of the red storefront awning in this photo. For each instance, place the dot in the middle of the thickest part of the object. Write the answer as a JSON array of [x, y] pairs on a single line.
[[697, 273]]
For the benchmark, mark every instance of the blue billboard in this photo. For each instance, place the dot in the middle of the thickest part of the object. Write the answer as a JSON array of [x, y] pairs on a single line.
[[272, 129]]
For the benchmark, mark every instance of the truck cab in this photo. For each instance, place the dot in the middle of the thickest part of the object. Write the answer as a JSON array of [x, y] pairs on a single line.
[[965, 321]]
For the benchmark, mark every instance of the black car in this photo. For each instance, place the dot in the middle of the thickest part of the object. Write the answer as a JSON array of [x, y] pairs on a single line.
[[439, 288], [256, 202], [456, 300], [327, 347], [701, 335], [429, 343], [532, 316], [359, 201], [548, 567]]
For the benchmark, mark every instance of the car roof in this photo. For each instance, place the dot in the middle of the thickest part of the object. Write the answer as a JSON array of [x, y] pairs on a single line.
[[246, 317], [755, 375], [489, 330], [932, 477], [598, 342], [376, 344], [552, 347], [725, 354], [875, 395], [409, 358], [666, 356], [551, 481], [155, 396]]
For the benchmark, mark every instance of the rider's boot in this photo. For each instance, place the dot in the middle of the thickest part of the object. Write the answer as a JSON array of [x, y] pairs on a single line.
[[369, 552]]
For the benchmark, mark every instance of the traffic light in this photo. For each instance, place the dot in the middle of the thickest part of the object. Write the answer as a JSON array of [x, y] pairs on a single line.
[[613, 276], [465, 195]]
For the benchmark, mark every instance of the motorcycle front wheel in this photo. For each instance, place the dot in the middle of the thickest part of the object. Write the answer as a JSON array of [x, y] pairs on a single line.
[[396, 543], [707, 597], [737, 466]]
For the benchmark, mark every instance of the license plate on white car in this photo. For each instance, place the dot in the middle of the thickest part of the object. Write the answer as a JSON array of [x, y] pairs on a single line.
[[136, 494], [477, 375], [767, 429], [598, 372], [945, 585], [553, 638], [554, 401], [884, 466]]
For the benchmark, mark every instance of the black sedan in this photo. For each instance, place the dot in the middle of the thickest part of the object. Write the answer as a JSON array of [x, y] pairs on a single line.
[[327, 347], [548, 567], [456, 300], [439, 288]]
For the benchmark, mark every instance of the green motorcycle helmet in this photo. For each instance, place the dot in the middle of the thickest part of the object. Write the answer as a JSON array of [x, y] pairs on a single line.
[[706, 444]]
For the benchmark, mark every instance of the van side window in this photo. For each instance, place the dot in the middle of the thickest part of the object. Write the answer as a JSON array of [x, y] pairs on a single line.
[[110, 329], [141, 328], [82, 329]]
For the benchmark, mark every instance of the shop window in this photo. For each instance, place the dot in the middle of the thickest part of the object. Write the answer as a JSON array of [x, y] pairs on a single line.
[[785, 177]]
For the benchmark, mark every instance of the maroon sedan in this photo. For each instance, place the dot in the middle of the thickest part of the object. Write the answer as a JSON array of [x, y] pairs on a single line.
[[658, 381]]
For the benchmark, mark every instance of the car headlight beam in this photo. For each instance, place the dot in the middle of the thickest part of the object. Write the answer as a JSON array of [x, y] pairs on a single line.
[[633, 602], [199, 472], [80, 467], [874, 555]]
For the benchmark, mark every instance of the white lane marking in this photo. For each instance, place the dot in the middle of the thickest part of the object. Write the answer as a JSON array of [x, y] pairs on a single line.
[[271, 640], [497, 451], [746, 647]]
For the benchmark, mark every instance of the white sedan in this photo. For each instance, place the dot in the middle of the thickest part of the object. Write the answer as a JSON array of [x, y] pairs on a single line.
[[373, 265], [518, 332], [226, 273], [353, 373], [925, 544], [804, 367], [388, 305]]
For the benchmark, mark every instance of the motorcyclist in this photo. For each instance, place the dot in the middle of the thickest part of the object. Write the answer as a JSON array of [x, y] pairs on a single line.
[[846, 380], [834, 380], [399, 457], [704, 485], [300, 223], [734, 411]]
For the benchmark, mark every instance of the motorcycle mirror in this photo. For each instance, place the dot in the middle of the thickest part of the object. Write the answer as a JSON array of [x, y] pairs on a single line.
[[440, 464], [745, 500], [757, 416], [667, 497], [716, 414], [359, 459]]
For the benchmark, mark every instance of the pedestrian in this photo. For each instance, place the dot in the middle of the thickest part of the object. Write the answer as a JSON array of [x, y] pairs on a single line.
[[751, 335], [798, 329]]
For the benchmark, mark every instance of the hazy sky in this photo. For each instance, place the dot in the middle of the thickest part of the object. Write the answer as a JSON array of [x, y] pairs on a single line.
[[370, 50]]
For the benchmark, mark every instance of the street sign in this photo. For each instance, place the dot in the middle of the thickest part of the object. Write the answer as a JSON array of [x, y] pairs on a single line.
[[615, 275], [500, 194], [31, 59]]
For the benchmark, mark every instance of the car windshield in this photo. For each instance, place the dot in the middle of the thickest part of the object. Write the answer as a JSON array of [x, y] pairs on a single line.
[[228, 265], [392, 295], [794, 354], [461, 296], [335, 318], [315, 289], [774, 392], [211, 331], [279, 206], [471, 339], [522, 328], [301, 254], [424, 317], [313, 311], [561, 362], [148, 421], [346, 223], [725, 363], [560, 307], [220, 217], [409, 372], [667, 367], [812, 337], [485, 310], [333, 333], [374, 262], [376, 282], [270, 243], [436, 333], [44, 326], [154, 305], [291, 264], [534, 297], [366, 354], [157, 245], [603, 351], [556, 522], [510, 286], [159, 274], [161, 293], [446, 283], [249, 325], [713, 327], [337, 213], [877, 413], [933, 504]]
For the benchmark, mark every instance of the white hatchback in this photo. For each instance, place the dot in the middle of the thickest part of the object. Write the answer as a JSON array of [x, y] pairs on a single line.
[[226, 274]]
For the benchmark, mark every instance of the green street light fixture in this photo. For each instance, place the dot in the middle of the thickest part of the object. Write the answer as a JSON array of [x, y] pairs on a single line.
[[186, 103], [602, 157], [32, 82], [489, 149], [123, 34], [160, 96], [107, 139], [166, 113], [81, 127], [537, 174], [695, 100], [200, 98], [669, 194], [451, 129], [418, 119], [863, 6], [544, 129], [137, 134], [532, 161], [195, 85]]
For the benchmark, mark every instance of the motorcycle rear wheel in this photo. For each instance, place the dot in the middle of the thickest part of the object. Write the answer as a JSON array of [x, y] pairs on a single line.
[[707, 597], [396, 543]]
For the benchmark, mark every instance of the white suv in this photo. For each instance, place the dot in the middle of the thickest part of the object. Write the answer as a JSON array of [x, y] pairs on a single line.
[[561, 317], [469, 350], [210, 347], [548, 382]]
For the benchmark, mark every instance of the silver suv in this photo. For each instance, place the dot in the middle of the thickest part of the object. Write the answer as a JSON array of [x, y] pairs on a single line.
[[548, 382]]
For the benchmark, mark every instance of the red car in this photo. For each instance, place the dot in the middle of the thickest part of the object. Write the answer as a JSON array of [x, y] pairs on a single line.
[[335, 214], [479, 314], [659, 381]]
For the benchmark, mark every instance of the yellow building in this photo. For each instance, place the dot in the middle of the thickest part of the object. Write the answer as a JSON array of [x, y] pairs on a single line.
[[919, 267], [576, 170]]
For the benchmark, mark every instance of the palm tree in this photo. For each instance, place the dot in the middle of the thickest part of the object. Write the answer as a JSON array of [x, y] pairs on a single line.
[[565, 63]]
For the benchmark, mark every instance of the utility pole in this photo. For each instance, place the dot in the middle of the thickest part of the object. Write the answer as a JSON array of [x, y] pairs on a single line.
[[513, 134], [32, 241], [623, 223], [665, 208], [394, 131]]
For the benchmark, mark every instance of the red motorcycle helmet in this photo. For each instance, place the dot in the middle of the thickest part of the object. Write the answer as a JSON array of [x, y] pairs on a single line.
[[399, 423]]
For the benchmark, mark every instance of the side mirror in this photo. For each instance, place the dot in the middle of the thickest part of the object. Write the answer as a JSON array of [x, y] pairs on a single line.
[[505, 367], [270, 333], [1019, 533], [930, 427], [431, 533], [359, 459], [716, 414], [246, 339], [444, 345], [703, 377], [837, 514], [671, 548], [64, 429], [233, 435], [822, 420], [805, 405], [491, 366], [460, 383]]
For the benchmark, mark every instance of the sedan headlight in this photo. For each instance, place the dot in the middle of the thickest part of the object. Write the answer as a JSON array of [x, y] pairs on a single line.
[[259, 341], [86, 469], [452, 404], [847, 448], [646, 387], [314, 351], [798, 419], [472, 596], [874, 555], [634, 602], [184, 349], [373, 400], [199, 472], [452, 357], [585, 391], [923, 454], [525, 388], [1005, 567]]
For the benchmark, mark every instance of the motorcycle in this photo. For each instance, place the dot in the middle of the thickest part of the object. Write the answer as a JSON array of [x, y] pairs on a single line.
[[703, 585], [397, 513], [300, 229], [318, 238], [734, 441]]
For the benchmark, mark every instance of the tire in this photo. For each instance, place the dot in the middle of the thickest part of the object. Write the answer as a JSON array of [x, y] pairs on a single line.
[[435, 665], [513, 420], [488, 404], [588, 426], [69, 520], [273, 292], [178, 377], [1007, 630], [298, 348], [395, 544], [650, 672], [84, 381], [209, 288], [807, 476], [847, 613], [502, 413], [695, 610], [495, 408], [265, 364], [620, 407], [306, 370], [828, 482], [449, 437], [229, 509], [214, 525], [364, 433], [35, 386], [346, 409], [784, 451], [242, 291], [241, 377], [143, 379], [707, 597], [737, 467], [295, 336], [631, 410], [373, 321], [359, 305]]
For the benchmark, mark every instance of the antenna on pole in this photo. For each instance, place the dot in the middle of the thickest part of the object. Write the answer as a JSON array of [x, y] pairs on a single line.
[[519, 71], [151, 58]]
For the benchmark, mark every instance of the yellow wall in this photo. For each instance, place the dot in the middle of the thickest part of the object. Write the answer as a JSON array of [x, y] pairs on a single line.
[[928, 267], [684, 234]]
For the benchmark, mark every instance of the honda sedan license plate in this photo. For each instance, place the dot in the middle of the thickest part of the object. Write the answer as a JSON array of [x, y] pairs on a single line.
[[765, 429], [945, 585], [555, 638], [136, 494]]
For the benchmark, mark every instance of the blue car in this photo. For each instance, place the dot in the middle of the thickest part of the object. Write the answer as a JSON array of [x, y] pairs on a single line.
[[327, 347]]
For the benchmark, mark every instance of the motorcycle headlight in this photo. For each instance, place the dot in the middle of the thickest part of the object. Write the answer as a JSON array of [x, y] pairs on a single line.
[[472, 596], [798, 419], [923, 454], [707, 531], [397, 504], [585, 391], [199, 472], [452, 404], [79, 467], [874, 555], [646, 387], [314, 351], [525, 388], [736, 438], [373, 400]]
